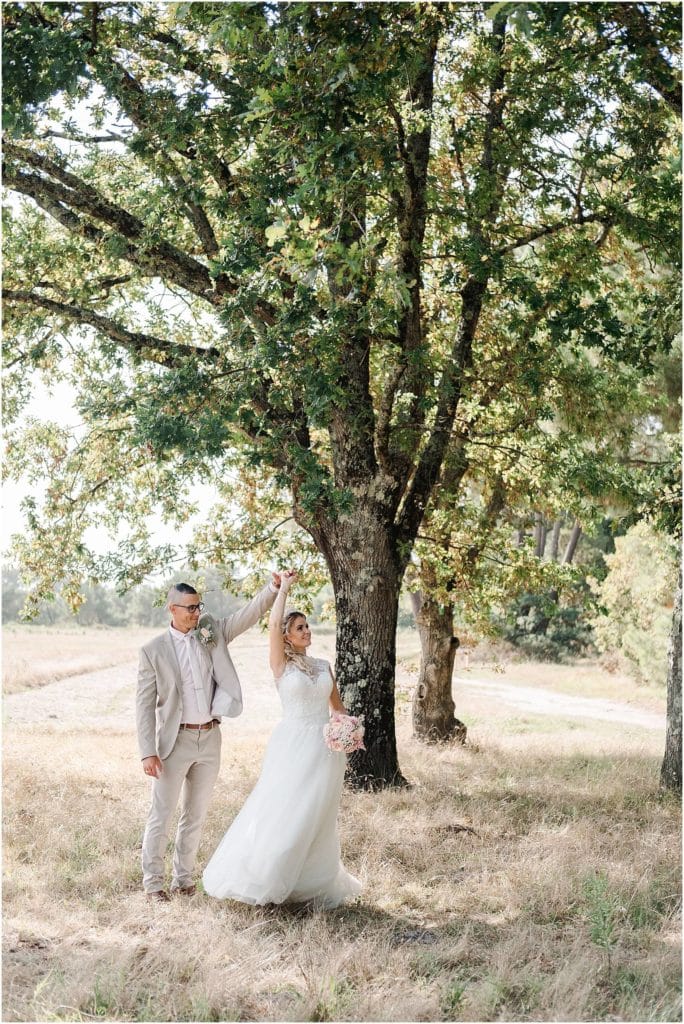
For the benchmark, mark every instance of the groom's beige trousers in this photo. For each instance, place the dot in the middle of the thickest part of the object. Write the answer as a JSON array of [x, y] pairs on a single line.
[[192, 766]]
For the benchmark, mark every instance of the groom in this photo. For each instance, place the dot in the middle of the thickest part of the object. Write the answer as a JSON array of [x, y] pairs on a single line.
[[186, 682]]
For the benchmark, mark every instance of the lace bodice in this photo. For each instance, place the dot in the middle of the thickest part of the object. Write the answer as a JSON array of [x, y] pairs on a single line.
[[304, 697]]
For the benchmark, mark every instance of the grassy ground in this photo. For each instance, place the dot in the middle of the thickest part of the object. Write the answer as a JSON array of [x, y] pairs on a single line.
[[531, 875]]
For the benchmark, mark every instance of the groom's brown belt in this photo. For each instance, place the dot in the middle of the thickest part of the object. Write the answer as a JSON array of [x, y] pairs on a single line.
[[205, 725]]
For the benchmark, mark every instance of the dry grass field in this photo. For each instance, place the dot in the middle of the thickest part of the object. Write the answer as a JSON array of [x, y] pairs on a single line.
[[531, 875], [36, 655]]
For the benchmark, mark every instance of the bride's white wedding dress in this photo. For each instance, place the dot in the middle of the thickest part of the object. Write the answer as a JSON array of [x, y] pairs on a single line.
[[283, 845]]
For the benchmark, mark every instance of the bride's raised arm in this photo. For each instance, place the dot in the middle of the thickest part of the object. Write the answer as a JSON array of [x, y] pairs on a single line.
[[276, 640]]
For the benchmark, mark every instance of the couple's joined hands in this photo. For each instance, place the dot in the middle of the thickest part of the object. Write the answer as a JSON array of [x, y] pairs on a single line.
[[285, 579]]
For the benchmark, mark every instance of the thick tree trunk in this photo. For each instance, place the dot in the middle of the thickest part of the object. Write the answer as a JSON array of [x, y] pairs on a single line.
[[671, 770], [366, 578], [433, 704]]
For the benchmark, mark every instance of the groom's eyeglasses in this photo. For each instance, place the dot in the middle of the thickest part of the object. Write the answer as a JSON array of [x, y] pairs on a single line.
[[191, 607]]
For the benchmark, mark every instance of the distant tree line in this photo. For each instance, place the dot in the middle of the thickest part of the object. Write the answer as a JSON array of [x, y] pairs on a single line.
[[104, 606]]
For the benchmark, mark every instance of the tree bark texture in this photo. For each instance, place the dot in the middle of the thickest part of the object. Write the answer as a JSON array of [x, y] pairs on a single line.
[[366, 578], [671, 769], [434, 720]]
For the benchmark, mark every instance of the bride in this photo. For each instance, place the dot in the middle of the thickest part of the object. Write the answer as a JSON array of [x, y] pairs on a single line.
[[283, 845]]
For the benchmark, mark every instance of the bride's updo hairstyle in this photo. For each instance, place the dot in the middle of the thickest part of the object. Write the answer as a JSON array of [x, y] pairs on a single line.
[[302, 661]]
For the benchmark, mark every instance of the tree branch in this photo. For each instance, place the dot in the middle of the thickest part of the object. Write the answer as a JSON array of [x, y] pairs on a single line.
[[491, 512], [196, 214], [134, 101], [159, 259], [159, 350], [85, 140], [432, 457], [192, 61], [467, 199], [551, 229], [59, 200], [411, 213], [383, 418], [491, 177], [543, 231]]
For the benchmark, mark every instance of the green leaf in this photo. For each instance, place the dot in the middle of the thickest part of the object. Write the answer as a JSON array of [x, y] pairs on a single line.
[[275, 231]]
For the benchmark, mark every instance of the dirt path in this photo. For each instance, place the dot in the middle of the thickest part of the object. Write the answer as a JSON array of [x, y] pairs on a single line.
[[105, 699], [535, 700]]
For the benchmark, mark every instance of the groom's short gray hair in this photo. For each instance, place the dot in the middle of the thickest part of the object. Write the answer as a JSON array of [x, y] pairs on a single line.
[[177, 590]]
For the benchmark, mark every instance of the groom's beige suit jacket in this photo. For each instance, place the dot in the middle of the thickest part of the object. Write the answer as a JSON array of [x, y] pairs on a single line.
[[159, 697]]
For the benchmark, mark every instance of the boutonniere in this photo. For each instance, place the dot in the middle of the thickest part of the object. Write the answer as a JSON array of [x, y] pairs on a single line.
[[205, 631]]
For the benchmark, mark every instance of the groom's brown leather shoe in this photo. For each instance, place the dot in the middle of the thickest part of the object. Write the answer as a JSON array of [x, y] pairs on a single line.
[[184, 890], [160, 895]]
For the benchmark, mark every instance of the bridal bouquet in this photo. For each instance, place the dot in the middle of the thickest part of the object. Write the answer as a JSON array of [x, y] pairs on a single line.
[[344, 732]]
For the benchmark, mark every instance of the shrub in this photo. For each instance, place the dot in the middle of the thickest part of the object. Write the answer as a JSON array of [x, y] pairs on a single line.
[[544, 629], [635, 602]]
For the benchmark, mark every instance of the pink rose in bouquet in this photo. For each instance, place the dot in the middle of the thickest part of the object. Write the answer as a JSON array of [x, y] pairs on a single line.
[[344, 733]]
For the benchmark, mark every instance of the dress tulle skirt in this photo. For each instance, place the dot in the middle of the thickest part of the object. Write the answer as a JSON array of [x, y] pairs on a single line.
[[283, 845]]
